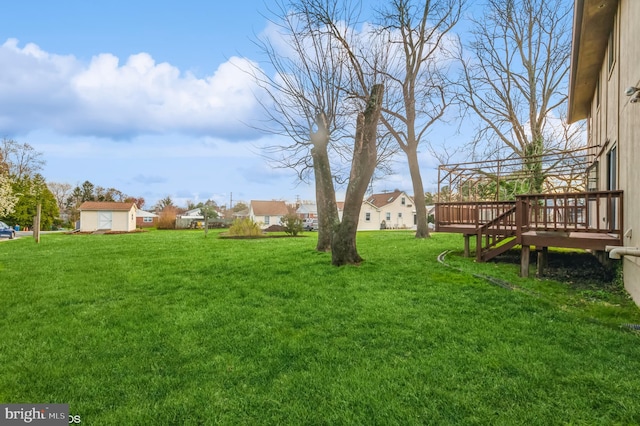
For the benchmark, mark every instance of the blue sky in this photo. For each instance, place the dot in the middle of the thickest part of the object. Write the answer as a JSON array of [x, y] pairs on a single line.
[[145, 97]]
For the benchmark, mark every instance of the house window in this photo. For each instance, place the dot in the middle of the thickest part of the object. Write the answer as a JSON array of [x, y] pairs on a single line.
[[403, 201], [388, 216], [266, 220], [147, 219], [367, 217], [400, 215]]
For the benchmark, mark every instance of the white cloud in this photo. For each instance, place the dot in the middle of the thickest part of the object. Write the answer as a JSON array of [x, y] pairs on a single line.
[[122, 100]]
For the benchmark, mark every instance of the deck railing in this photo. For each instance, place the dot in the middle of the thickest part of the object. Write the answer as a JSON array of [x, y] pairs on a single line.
[[595, 212], [475, 213], [592, 212]]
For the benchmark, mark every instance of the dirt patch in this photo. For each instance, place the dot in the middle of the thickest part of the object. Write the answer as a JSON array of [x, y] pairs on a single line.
[[579, 270]]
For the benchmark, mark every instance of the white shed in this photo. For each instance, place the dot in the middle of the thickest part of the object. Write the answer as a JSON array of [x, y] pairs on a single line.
[[107, 216]]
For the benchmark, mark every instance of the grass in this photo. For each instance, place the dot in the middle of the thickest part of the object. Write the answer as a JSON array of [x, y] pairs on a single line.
[[174, 328]]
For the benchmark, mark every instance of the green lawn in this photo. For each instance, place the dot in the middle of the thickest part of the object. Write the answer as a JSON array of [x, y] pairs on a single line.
[[168, 327]]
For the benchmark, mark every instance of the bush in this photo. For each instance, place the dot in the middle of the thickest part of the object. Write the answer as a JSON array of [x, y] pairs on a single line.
[[244, 228], [292, 224], [167, 218]]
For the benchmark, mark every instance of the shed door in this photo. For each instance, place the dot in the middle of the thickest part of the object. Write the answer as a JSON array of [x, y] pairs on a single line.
[[104, 220]]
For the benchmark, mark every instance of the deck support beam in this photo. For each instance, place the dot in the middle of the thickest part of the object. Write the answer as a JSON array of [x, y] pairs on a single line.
[[467, 251], [543, 256], [525, 254]]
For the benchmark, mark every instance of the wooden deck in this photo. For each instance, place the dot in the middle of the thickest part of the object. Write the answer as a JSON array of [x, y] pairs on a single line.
[[583, 220]]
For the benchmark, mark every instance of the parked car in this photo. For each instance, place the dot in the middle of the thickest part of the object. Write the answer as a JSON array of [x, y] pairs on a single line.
[[7, 231]]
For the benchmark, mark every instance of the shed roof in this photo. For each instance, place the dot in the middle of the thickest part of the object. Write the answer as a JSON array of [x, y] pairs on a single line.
[[269, 208], [105, 205]]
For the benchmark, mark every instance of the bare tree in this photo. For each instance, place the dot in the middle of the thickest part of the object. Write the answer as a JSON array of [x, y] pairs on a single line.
[[304, 103], [318, 89], [417, 88], [61, 192], [21, 159], [516, 79], [343, 244]]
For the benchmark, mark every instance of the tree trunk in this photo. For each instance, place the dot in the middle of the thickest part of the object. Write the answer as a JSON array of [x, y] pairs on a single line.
[[343, 245], [325, 192], [533, 163], [325, 198], [422, 229]]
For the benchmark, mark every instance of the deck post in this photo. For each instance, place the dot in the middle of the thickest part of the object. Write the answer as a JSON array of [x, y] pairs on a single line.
[[524, 261], [542, 260], [467, 251]]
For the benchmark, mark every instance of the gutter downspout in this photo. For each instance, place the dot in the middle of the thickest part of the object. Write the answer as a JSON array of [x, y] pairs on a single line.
[[616, 252]]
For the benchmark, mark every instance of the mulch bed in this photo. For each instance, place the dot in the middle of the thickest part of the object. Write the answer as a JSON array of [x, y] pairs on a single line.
[[580, 270]]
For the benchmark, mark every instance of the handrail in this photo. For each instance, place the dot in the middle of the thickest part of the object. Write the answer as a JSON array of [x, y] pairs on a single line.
[[499, 234]]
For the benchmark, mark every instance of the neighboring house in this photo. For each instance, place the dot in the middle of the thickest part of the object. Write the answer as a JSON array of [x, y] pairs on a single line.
[[107, 216], [605, 90], [194, 218], [146, 219], [267, 213], [388, 210], [307, 211], [240, 214], [189, 218]]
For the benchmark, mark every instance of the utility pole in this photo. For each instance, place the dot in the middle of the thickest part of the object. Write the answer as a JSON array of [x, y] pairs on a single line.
[[230, 200]]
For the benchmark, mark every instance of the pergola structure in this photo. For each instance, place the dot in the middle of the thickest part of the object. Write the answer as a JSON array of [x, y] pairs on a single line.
[[503, 179]]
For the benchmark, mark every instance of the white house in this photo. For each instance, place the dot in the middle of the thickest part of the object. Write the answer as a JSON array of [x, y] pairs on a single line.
[[307, 211], [267, 213], [107, 216], [387, 210]]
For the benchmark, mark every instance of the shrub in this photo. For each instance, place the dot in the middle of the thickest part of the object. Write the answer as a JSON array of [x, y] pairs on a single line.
[[292, 224], [167, 218], [244, 227]]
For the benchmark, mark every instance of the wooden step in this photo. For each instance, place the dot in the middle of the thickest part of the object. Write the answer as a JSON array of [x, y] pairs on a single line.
[[496, 251]]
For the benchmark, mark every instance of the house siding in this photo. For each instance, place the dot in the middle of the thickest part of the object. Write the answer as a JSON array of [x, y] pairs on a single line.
[[375, 217], [614, 126]]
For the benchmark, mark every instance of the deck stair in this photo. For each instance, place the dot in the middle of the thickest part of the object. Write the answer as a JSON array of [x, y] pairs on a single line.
[[497, 235]]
